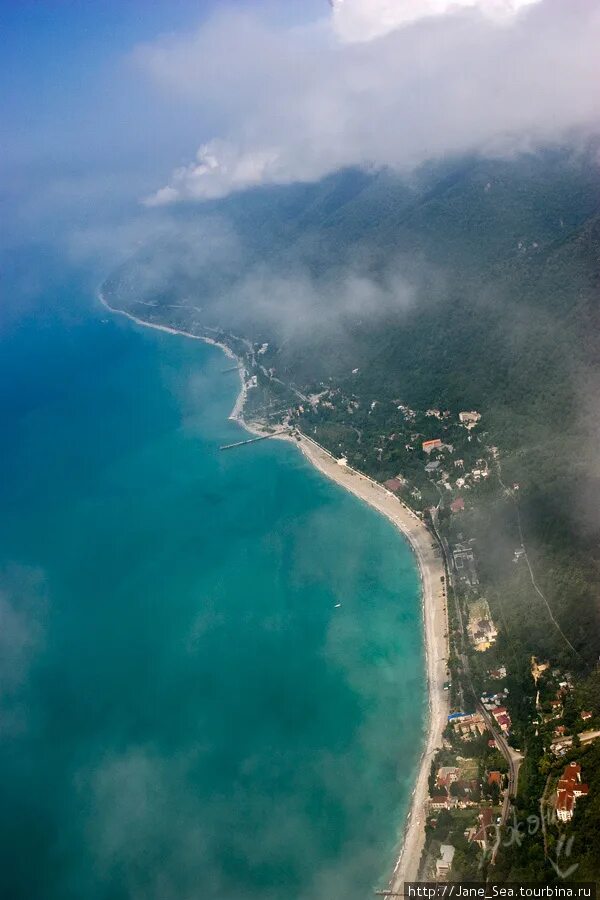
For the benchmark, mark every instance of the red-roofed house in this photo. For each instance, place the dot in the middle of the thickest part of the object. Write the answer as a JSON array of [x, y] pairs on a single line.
[[568, 790], [495, 778], [435, 444], [484, 833], [458, 505]]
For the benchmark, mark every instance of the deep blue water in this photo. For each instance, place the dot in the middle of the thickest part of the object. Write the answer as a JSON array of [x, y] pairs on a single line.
[[184, 712]]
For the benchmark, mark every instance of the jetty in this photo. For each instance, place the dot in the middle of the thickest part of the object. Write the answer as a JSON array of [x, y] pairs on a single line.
[[252, 440]]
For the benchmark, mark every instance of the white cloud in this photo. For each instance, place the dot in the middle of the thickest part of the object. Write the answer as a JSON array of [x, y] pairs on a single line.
[[360, 20], [218, 169], [297, 103]]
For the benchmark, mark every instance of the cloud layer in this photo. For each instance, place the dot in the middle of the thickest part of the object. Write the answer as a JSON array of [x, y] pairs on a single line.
[[425, 80], [360, 20]]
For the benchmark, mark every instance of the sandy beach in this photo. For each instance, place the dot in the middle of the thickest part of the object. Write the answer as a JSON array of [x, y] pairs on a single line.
[[433, 596]]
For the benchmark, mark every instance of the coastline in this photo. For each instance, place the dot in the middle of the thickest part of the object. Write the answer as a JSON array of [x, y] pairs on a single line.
[[433, 604], [433, 599], [236, 413]]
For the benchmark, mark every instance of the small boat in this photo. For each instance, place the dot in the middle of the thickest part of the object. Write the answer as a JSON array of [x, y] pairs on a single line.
[[337, 605]]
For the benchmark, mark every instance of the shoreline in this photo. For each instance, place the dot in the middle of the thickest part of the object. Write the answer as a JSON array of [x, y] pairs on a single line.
[[433, 607], [236, 413], [433, 600]]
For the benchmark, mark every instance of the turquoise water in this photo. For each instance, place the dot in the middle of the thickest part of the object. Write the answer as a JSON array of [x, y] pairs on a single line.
[[184, 712]]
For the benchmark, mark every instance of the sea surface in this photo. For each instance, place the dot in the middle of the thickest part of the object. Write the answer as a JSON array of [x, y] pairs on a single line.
[[185, 710]]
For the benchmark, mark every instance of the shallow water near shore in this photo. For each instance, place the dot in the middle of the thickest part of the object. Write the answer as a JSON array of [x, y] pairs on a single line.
[[185, 710]]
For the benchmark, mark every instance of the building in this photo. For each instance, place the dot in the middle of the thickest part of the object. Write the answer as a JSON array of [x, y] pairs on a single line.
[[464, 563], [568, 790], [469, 419], [502, 717], [560, 747], [458, 505], [435, 444], [586, 716], [468, 726], [481, 628], [485, 831], [495, 778], [442, 801], [483, 634], [444, 863], [447, 775]]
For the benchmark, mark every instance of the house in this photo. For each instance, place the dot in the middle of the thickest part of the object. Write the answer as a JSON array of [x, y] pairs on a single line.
[[495, 778], [586, 716], [469, 419], [444, 863], [485, 832], [432, 466], [434, 444], [502, 717], [458, 505], [568, 791]]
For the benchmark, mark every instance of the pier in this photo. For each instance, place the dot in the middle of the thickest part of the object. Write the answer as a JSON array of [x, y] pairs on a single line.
[[253, 440]]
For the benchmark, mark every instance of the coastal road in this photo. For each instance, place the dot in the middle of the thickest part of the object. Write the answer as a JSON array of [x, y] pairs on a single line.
[[513, 757]]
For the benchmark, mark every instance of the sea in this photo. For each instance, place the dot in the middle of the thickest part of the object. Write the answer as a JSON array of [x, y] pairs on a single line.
[[212, 674]]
